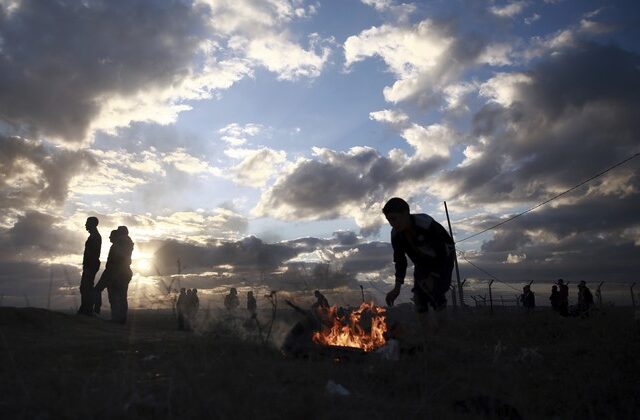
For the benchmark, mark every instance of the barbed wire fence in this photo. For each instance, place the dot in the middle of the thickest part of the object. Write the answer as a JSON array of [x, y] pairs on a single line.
[[479, 300]]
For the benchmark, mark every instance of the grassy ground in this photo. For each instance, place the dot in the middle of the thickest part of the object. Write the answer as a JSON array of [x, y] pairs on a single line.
[[535, 365]]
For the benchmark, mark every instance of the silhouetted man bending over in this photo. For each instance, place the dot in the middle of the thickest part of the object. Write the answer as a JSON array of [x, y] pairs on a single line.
[[90, 266], [431, 250]]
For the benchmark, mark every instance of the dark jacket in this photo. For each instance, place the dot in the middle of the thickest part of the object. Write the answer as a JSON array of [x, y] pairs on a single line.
[[91, 258], [430, 246]]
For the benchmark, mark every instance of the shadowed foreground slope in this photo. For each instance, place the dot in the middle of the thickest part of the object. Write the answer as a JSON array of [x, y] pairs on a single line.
[[55, 365]]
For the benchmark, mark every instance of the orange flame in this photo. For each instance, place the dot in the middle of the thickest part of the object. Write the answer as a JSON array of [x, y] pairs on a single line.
[[338, 331]]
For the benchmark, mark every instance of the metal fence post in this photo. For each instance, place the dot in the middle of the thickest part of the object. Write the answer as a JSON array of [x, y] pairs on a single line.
[[599, 294], [490, 297], [455, 256]]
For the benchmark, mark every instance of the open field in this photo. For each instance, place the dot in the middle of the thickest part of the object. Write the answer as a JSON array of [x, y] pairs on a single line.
[[511, 364]]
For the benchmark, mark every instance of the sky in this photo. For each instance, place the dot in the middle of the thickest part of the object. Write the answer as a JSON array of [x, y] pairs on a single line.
[[256, 141]]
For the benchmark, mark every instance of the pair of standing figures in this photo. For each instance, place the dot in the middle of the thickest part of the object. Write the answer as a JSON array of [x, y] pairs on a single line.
[[116, 276]]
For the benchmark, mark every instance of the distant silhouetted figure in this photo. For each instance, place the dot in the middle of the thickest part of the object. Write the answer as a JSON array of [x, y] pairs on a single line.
[[193, 303], [90, 265], [563, 290], [321, 301], [585, 299], [528, 298], [231, 301], [252, 305], [431, 250], [181, 308], [555, 299]]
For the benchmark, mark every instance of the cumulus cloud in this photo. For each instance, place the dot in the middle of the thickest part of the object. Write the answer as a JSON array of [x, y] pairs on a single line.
[[425, 57], [391, 116], [55, 84], [36, 174], [509, 10], [257, 165], [355, 182], [236, 135], [551, 127], [103, 66]]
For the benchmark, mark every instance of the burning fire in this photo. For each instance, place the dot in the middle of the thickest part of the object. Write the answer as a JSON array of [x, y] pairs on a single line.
[[340, 331]]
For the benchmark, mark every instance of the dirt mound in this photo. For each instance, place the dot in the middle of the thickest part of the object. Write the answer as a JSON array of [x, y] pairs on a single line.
[[44, 321]]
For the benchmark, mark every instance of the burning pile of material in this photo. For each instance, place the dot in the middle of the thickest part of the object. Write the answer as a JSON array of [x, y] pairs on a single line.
[[353, 329]]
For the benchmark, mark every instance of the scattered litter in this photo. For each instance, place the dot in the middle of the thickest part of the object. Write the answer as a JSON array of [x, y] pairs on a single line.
[[390, 351], [529, 354], [337, 389]]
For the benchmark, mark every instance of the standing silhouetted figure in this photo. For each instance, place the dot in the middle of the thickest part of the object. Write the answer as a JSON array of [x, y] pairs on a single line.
[[110, 271], [321, 301], [563, 290], [252, 305], [555, 299], [528, 298], [193, 303], [117, 275], [231, 301], [90, 266], [119, 286], [431, 250], [181, 308], [585, 299]]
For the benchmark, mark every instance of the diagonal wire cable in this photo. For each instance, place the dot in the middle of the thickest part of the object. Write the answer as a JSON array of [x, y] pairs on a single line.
[[485, 271], [554, 197]]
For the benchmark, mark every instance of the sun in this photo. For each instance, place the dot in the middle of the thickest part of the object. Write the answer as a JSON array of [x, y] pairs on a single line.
[[142, 262]]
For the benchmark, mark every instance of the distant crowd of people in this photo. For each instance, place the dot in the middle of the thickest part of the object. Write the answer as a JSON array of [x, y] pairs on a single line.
[[560, 299], [187, 308]]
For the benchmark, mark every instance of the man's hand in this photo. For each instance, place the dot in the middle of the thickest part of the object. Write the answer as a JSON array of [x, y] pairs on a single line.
[[393, 295]]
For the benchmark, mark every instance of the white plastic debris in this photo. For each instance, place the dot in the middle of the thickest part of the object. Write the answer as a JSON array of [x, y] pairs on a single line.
[[337, 389], [390, 351]]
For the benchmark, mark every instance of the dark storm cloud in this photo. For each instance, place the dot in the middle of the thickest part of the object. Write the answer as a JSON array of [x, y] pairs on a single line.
[[33, 174], [576, 117], [320, 189], [371, 257], [35, 235], [57, 58], [573, 116], [595, 237], [247, 254]]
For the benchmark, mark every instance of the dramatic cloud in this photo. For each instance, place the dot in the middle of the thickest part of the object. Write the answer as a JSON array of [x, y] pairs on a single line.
[[425, 58], [34, 174], [352, 183], [535, 141], [104, 65], [56, 84]]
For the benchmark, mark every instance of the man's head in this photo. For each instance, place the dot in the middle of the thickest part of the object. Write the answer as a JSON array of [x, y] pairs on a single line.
[[316, 293], [233, 291], [113, 236], [560, 281], [397, 213], [183, 290], [123, 230], [91, 223], [582, 284]]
